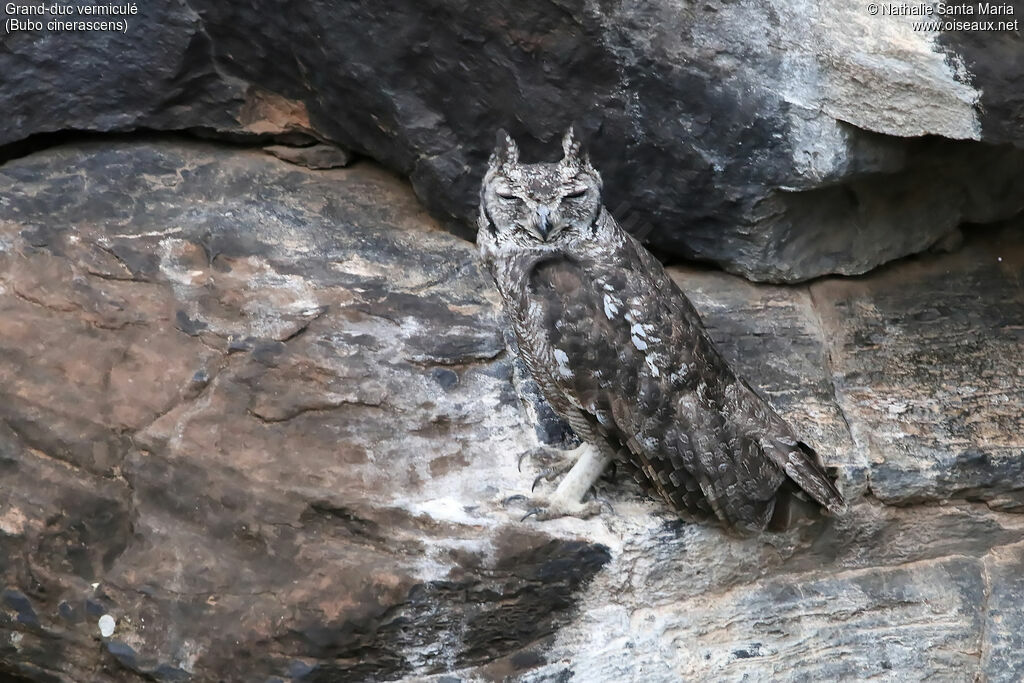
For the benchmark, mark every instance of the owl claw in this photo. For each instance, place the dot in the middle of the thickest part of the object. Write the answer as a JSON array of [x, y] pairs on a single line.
[[519, 462], [547, 475], [552, 473], [579, 470], [546, 455], [544, 508]]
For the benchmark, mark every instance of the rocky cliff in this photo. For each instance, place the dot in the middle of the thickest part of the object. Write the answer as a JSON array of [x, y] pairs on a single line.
[[263, 417], [258, 422], [781, 141]]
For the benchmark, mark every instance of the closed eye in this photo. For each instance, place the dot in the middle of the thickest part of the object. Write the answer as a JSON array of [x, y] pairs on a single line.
[[576, 193], [505, 195]]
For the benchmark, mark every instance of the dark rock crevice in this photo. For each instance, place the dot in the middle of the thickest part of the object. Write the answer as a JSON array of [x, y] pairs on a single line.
[[829, 363], [41, 142], [268, 418]]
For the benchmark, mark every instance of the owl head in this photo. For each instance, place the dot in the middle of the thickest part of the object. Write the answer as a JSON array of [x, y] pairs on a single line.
[[537, 206]]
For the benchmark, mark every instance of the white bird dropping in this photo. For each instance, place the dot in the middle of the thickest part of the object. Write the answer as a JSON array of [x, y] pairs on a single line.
[[107, 625]]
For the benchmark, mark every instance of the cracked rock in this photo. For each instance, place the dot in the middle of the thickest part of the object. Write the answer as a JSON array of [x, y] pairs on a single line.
[[264, 418], [780, 140]]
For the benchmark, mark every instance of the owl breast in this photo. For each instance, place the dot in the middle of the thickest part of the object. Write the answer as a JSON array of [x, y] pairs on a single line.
[[586, 336]]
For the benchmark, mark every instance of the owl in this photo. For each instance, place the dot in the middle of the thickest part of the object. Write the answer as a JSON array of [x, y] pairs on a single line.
[[621, 354]]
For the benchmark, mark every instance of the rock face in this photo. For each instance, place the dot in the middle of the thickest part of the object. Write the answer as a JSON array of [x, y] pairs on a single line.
[[239, 403], [263, 418], [781, 140]]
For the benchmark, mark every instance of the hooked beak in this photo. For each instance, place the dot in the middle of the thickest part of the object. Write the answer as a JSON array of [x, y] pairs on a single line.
[[543, 224]]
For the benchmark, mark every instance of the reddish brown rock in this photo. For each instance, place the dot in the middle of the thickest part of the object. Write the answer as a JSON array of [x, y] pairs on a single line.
[[318, 156], [263, 418], [247, 443]]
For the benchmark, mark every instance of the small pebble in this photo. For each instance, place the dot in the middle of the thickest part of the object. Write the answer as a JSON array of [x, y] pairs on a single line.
[[107, 625]]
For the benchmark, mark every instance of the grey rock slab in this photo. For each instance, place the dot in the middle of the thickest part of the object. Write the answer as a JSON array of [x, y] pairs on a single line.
[[893, 593], [927, 361], [772, 336], [158, 74], [923, 619], [1004, 618], [910, 380], [782, 141]]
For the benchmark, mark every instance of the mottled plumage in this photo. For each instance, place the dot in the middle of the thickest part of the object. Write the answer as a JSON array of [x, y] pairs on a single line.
[[621, 354]]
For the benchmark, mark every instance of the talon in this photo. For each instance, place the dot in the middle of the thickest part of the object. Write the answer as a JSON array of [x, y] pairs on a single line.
[[581, 470], [519, 462], [517, 496]]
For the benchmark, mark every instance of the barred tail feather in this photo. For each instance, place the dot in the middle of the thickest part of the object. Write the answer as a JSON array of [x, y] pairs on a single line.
[[804, 467]]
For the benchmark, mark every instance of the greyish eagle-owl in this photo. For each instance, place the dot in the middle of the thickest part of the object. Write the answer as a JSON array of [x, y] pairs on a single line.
[[621, 354]]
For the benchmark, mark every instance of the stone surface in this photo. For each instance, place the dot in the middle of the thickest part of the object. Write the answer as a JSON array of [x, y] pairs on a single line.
[[318, 156], [931, 377], [263, 417], [1004, 620], [239, 400], [917, 389], [781, 140]]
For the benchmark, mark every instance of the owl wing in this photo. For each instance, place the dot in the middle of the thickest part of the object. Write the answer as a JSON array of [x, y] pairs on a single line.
[[627, 353], [761, 432]]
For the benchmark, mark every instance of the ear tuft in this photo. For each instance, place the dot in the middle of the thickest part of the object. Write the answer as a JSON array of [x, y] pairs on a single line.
[[570, 148], [506, 151]]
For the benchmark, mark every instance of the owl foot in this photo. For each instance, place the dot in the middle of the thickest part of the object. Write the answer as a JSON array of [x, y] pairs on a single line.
[[552, 473], [550, 459], [568, 498], [545, 508]]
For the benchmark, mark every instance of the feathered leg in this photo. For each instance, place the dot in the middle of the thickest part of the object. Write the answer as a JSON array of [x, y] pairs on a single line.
[[567, 499]]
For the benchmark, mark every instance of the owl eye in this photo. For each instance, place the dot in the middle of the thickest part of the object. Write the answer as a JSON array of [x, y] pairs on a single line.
[[504, 194], [576, 193]]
